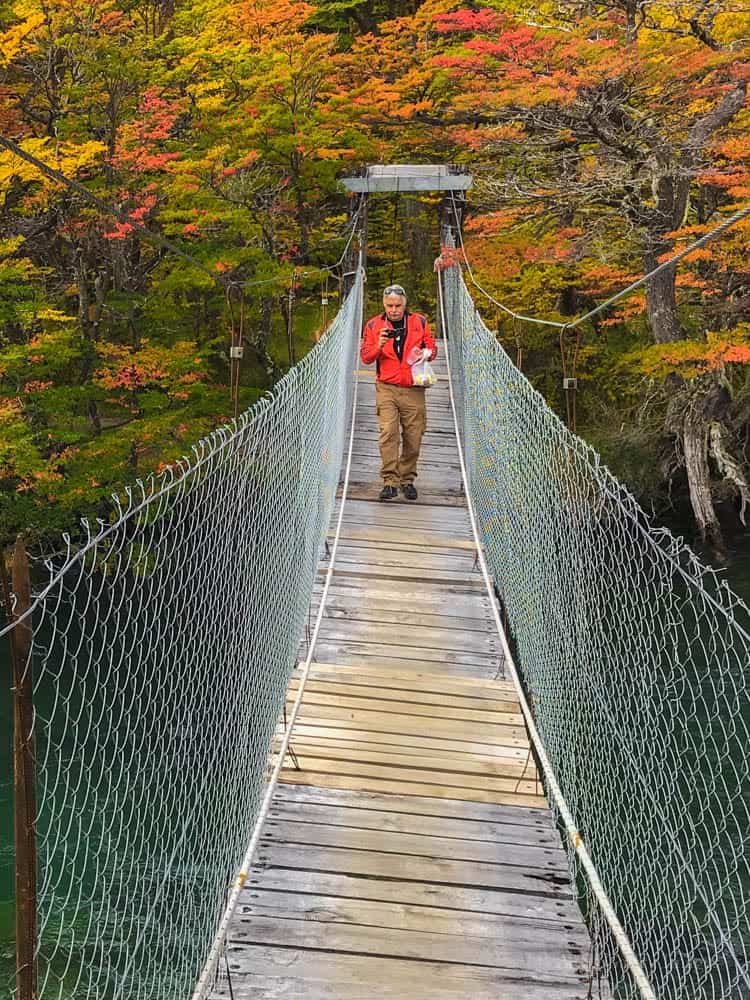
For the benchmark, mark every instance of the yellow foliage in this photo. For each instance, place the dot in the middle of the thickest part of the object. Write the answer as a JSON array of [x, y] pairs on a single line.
[[9, 246], [68, 158], [15, 39], [55, 315]]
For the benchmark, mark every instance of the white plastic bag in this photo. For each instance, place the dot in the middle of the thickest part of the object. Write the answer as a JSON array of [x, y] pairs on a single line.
[[422, 372]]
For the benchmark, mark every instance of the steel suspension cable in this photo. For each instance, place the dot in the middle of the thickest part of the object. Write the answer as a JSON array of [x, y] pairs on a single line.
[[738, 216], [116, 213], [156, 238]]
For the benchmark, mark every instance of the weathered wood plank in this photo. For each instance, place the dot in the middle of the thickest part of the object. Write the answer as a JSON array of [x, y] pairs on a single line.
[[317, 763], [538, 955], [408, 742], [334, 814], [422, 869], [480, 901], [468, 581], [431, 681], [394, 536], [318, 695], [394, 722], [387, 690], [360, 782], [403, 917], [314, 976], [284, 831], [457, 764], [417, 637], [352, 650], [451, 671], [456, 562], [443, 599], [350, 609], [475, 811]]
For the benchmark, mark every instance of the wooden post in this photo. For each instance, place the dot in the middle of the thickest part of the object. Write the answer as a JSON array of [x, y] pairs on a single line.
[[24, 772]]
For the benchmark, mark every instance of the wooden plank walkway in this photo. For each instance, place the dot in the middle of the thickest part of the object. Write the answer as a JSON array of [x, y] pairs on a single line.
[[410, 853]]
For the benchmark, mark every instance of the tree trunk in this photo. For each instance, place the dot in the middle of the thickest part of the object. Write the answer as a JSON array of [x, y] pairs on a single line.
[[258, 340], [695, 450], [661, 303], [694, 416]]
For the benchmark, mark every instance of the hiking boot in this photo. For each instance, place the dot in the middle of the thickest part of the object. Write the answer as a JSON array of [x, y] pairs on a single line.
[[388, 493], [410, 491]]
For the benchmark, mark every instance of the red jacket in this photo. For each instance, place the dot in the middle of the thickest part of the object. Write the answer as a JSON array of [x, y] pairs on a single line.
[[389, 368]]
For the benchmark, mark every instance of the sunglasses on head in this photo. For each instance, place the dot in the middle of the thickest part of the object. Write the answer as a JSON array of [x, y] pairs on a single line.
[[394, 290]]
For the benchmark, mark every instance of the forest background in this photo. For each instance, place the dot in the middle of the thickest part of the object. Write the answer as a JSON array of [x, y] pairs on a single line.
[[603, 137]]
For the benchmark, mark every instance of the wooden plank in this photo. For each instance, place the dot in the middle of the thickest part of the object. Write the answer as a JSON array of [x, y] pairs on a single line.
[[350, 609], [451, 710], [430, 681], [383, 534], [458, 562], [362, 510], [538, 956], [401, 722], [417, 637], [451, 671], [294, 973], [387, 691], [359, 782], [407, 742], [481, 902], [422, 806], [528, 857], [441, 599], [457, 764], [405, 551], [333, 814], [317, 763], [399, 916], [381, 864], [466, 580], [486, 664]]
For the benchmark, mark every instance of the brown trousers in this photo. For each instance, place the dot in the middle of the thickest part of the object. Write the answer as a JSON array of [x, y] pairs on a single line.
[[401, 413]]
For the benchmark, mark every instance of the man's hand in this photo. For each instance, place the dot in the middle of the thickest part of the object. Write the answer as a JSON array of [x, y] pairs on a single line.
[[383, 336]]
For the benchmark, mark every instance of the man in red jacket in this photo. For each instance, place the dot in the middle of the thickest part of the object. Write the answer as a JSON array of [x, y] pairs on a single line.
[[388, 341]]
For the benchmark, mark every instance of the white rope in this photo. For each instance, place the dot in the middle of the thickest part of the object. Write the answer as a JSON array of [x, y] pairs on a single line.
[[676, 258], [571, 830], [205, 981]]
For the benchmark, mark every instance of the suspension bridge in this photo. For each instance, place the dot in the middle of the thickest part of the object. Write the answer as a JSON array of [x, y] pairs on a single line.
[[275, 739]]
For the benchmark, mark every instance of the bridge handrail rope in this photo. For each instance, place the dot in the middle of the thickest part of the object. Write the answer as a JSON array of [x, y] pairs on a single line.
[[205, 981], [608, 484], [162, 650], [575, 840], [635, 668], [738, 216], [184, 466]]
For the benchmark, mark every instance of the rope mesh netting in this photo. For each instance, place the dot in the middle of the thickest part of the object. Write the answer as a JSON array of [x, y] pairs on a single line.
[[162, 650], [634, 656]]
